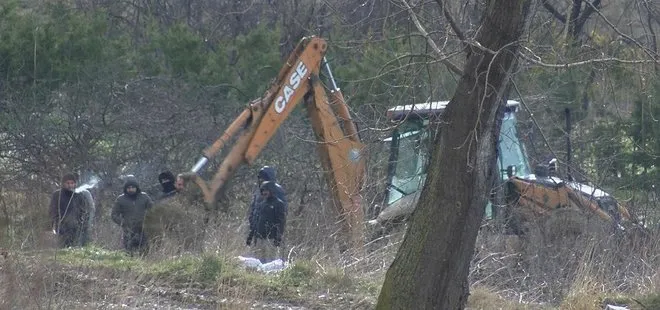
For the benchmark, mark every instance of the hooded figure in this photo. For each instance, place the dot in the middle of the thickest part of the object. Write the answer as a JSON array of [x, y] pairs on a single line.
[[129, 213], [69, 212], [267, 222], [266, 173], [167, 182]]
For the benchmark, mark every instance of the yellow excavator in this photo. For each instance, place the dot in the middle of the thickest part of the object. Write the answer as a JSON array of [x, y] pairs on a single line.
[[343, 155], [520, 195], [341, 152]]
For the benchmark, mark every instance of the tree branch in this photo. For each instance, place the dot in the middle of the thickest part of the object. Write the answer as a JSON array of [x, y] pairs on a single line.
[[650, 18], [451, 21], [452, 67], [627, 37], [536, 123], [582, 19], [655, 15], [553, 11], [586, 62], [575, 11]]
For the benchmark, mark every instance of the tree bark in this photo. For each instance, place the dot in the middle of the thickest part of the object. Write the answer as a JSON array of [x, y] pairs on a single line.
[[431, 268]]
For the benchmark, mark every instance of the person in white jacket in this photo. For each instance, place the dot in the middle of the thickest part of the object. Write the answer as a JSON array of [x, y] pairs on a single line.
[[88, 226]]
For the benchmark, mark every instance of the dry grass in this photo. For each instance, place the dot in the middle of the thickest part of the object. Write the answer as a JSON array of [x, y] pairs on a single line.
[[482, 298], [569, 269], [176, 274], [540, 271], [99, 278]]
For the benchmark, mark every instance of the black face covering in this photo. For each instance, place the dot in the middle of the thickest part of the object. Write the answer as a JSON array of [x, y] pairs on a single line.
[[168, 186], [166, 180]]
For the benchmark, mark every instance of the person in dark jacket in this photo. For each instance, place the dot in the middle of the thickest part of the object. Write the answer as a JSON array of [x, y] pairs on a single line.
[[269, 221], [266, 173], [69, 213], [129, 213]]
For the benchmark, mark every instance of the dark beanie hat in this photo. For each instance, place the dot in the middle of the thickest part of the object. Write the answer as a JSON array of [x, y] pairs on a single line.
[[166, 175]]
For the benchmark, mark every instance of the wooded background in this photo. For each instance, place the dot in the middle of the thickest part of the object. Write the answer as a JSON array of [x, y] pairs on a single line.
[[108, 88]]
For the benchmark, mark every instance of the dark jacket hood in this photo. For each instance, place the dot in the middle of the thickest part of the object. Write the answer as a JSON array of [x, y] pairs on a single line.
[[131, 181], [267, 173]]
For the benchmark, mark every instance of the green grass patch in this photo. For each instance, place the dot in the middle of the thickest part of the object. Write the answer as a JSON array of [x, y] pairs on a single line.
[[301, 273], [93, 256], [203, 270], [301, 281], [651, 301], [200, 270], [306, 274]]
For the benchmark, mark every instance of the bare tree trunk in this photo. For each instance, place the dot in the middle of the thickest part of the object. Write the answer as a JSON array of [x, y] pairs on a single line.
[[431, 267]]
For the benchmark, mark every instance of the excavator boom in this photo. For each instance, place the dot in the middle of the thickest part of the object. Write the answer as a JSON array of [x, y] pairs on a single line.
[[340, 149]]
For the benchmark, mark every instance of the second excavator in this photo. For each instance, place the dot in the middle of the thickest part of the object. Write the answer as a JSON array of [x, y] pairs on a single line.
[[520, 195]]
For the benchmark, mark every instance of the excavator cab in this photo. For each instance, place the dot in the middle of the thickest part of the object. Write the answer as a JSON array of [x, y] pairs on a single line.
[[410, 146], [512, 156], [409, 154], [519, 195]]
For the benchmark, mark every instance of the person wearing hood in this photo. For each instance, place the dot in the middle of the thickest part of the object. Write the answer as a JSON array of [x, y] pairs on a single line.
[[176, 186], [268, 223], [266, 174], [168, 183], [68, 212], [129, 213]]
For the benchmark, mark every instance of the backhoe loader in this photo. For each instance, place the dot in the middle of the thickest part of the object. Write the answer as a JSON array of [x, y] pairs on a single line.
[[520, 195], [341, 152]]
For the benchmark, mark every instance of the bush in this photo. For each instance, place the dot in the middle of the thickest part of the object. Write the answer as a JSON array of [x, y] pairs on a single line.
[[299, 274], [175, 227]]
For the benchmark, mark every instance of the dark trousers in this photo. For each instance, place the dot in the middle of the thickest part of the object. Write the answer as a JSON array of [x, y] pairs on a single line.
[[135, 240], [68, 236], [72, 233], [265, 250], [85, 235]]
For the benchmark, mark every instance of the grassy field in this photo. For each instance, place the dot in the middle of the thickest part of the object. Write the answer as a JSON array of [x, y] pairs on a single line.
[[93, 277], [543, 270]]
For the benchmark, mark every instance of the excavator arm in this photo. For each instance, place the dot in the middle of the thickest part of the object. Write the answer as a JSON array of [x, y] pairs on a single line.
[[339, 147]]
